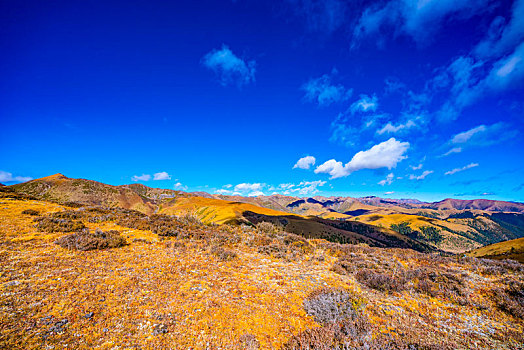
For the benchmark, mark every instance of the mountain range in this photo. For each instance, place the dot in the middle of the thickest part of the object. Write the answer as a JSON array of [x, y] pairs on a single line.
[[450, 225]]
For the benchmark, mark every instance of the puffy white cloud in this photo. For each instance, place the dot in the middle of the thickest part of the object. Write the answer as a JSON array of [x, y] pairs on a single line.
[[388, 180], [179, 186], [255, 194], [418, 167], [161, 176], [457, 170], [421, 176], [364, 104], [143, 177], [334, 168], [157, 176], [305, 162], [253, 187], [324, 92], [383, 155], [309, 187], [230, 68], [305, 188], [6, 177]]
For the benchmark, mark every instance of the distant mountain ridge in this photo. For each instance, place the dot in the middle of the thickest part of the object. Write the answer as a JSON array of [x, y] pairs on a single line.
[[451, 225]]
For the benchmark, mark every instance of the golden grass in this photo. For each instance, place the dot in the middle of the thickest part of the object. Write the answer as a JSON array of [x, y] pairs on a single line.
[[217, 211], [203, 302], [513, 249]]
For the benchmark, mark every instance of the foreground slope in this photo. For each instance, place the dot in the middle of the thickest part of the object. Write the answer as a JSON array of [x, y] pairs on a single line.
[[180, 284]]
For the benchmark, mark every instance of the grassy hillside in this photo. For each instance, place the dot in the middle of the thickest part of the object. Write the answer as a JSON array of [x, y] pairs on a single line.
[[177, 283], [64, 190], [513, 249], [216, 211]]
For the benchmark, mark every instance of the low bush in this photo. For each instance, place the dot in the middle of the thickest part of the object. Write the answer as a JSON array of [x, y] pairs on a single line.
[[333, 305], [31, 212], [223, 254], [510, 299], [381, 281], [87, 240], [67, 214], [344, 326], [249, 342], [267, 227], [133, 219], [163, 225], [51, 224]]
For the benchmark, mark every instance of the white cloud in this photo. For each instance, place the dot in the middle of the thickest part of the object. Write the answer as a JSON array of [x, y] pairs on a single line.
[[451, 151], [388, 180], [305, 162], [484, 135], [162, 176], [324, 92], [365, 104], [8, 177], [502, 37], [417, 19], [383, 155], [334, 168], [475, 79], [467, 135], [223, 191], [418, 167], [421, 176], [255, 194], [390, 128], [252, 187], [143, 177], [309, 187], [230, 68], [389, 192], [179, 186], [227, 186], [457, 170]]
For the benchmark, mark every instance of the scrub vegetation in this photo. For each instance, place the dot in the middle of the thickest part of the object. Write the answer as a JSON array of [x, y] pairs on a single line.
[[96, 277]]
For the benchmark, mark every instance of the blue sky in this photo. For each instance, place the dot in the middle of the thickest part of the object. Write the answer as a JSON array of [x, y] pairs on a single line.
[[420, 99]]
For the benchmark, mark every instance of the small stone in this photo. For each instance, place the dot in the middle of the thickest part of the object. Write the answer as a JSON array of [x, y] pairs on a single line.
[[159, 329], [89, 315]]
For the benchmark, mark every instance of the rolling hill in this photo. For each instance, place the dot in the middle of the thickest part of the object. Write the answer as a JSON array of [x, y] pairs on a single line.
[[450, 225], [513, 249]]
